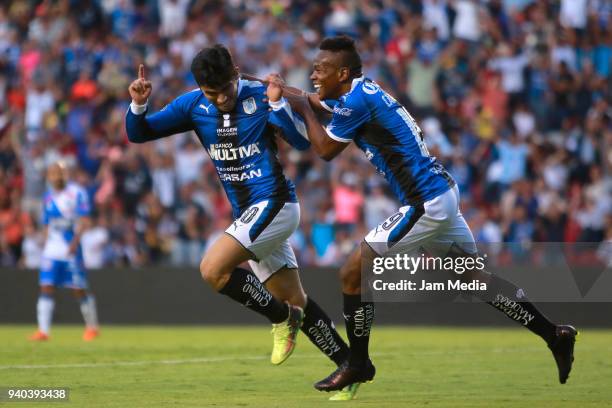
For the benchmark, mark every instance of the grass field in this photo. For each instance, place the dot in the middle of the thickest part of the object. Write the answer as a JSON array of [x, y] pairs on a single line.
[[228, 367]]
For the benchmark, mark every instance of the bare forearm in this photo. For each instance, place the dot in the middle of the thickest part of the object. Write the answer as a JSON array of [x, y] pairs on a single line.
[[316, 133], [289, 91]]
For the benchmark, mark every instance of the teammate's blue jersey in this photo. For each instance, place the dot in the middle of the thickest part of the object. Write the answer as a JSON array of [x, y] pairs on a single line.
[[61, 211], [391, 140], [240, 143]]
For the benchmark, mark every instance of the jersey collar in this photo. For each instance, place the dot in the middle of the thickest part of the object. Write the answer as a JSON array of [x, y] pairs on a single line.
[[240, 86], [356, 82]]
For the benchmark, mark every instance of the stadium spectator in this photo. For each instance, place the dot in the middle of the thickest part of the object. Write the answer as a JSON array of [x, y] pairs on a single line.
[[512, 96]]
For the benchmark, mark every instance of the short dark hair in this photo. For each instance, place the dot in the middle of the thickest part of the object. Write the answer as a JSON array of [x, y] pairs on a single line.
[[213, 66], [350, 56]]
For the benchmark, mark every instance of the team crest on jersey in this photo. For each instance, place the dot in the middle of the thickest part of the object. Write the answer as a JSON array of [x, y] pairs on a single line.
[[249, 105]]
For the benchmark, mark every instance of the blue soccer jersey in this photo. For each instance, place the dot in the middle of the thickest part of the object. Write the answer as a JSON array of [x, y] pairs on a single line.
[[241, 143], [391, 140]]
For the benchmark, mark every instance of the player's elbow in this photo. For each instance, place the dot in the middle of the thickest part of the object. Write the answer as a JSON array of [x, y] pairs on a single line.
[[135, 137], [302, 146], [327, 155]]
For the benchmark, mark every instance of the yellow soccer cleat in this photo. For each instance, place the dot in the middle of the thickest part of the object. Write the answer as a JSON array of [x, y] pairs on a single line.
[[346, 394], [285, 334]]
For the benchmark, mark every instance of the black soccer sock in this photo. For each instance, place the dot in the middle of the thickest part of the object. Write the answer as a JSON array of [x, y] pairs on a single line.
[[511, 300], [244, 287], [322, 333], [358, 317]]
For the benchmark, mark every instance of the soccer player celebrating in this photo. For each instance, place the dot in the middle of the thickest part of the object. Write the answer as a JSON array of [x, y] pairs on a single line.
[[65, 216], [233, 120], [430, 216]]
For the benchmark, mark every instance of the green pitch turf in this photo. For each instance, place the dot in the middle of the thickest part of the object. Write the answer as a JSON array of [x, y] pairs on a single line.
[[228, 367]]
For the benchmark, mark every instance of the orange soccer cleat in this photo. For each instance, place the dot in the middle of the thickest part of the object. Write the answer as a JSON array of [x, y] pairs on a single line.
[[39, 336], [90, 333]]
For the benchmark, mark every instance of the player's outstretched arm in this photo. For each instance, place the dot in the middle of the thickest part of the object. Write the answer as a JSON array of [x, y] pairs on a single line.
[[291, 92], [291, 126], [325, 147], [141, 127]]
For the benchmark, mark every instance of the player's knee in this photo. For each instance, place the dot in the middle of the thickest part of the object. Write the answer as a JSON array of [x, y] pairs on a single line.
[[468, 274], [214, 274], [207, 270], [297, 299], [351, 279]]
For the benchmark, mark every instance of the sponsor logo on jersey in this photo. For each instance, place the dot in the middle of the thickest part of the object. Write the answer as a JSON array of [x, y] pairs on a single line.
[[247, 175], [370, 87], [206, 108], [227, 132], [225, 151], [388, 99], [249, 106], [342, 111]]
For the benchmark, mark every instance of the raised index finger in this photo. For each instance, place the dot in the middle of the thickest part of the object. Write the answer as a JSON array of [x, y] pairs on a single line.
[[141, 74]]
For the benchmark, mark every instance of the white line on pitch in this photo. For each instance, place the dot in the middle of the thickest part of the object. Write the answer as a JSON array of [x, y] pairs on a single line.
[[240, 358]]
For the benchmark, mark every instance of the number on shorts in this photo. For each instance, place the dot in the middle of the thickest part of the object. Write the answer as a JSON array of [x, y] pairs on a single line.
[[249, 215], [391, 221]]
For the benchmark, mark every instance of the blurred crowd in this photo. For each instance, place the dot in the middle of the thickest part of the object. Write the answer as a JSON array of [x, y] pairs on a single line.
[[513, 97]]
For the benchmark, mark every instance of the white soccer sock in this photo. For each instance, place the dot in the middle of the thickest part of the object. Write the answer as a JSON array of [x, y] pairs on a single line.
[[44, 312], [88, 309]]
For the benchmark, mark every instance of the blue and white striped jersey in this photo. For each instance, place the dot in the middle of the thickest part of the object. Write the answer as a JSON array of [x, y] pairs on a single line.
[[391, 140], [240, 143], [61, 211]]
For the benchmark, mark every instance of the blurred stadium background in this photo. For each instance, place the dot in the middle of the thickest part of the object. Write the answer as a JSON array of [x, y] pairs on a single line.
[[513, 97]]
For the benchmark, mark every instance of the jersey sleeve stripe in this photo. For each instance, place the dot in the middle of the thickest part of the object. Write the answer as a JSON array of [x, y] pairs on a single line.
[[284, 105], [326, 106], [336, 138]]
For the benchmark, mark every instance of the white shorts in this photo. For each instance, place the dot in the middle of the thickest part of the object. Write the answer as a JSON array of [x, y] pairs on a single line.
[[264, 230], [435, 225]]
